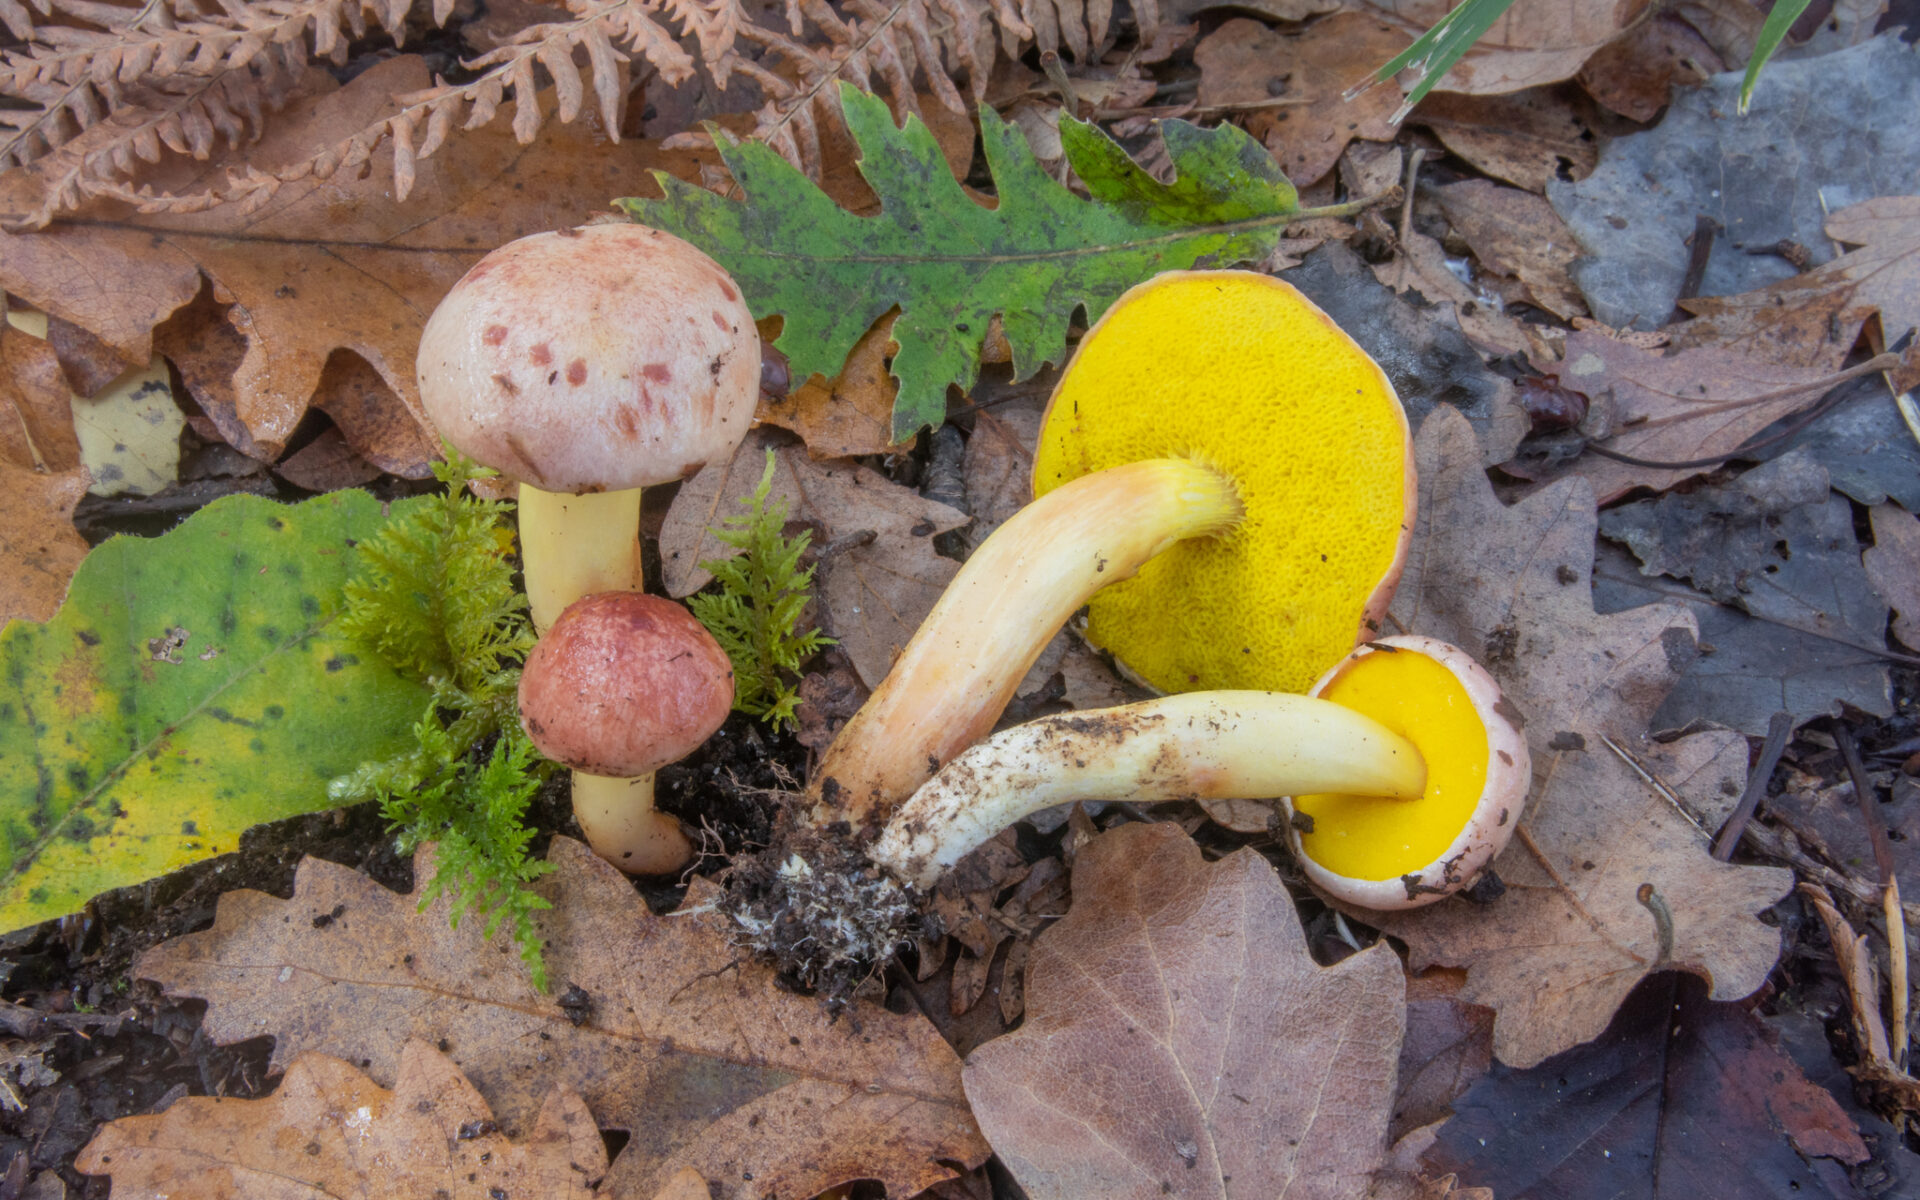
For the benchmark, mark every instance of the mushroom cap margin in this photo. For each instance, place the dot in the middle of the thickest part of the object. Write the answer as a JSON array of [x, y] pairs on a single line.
[[1495, 817]]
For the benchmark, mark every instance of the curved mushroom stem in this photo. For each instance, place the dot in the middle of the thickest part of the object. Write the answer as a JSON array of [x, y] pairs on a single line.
[[1213, 745], [623, 827], [575, 546], [956, 676]]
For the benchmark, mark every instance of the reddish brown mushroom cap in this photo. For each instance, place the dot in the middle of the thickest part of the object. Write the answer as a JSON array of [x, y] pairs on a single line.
[[623, 684]]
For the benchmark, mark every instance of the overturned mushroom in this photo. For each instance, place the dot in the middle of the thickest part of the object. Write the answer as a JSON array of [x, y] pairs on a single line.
[[1410, 770], [1384, 854], [1220, 436]]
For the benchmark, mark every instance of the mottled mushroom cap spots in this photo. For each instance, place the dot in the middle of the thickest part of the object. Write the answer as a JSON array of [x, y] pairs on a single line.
[[594, 359], [623, 684], [1241, 372]]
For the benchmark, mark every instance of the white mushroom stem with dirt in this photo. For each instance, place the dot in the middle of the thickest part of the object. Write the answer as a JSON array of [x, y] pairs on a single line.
[[1402, 784]]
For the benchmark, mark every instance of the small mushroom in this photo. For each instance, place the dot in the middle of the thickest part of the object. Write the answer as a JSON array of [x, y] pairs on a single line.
[[1406, 759], [1387, 854], [589, 364], [1217, 449], [623, 684]]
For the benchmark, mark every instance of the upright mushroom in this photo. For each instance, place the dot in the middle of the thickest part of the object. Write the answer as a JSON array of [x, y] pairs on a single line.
[[623, 684], [1407, 771], [1216, 420], [588, 364]]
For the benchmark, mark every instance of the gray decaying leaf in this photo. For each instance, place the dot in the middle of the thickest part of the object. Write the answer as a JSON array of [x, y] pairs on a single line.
[[1822, 134], [1179, 1036], [1779, 574], [1893, 567], [1423, 352], [1679, 1099], [1868, 451]]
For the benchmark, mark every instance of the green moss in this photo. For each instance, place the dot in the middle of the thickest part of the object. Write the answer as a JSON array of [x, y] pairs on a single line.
[[433, 597], [762, 594]]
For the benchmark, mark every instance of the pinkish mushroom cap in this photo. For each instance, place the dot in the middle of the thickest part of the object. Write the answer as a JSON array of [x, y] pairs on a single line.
[[623, 684], [594, 359]]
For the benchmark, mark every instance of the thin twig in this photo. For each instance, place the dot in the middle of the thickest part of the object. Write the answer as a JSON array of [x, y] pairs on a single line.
[[1826, 404], [1863, 795], [1911, 660], [1699, 249], [1779, 728], [1659, 785], [1406, 204]]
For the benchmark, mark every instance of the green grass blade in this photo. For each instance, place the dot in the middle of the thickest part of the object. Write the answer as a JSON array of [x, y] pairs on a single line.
[[1781, 19]]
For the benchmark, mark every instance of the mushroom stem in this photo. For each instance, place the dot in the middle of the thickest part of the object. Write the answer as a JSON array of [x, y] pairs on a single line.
[[1201, 745], [576, 546], [623, 827], [955, 677]]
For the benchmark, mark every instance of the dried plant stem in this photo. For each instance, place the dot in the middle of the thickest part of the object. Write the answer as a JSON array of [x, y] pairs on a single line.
[[1863, 794], [1779, 728]]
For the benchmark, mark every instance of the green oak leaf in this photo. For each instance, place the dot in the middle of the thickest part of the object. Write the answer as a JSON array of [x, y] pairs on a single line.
[[191, 686], [951, 264]]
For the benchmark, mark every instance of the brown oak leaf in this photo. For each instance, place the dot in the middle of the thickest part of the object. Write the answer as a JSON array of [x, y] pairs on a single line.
[[1677, 407], [1244, 62], [328, 1130], [1813, 319], [659, 1024], [1635, 75], [325, 264], [1179, 1036], [39, 549], [1517, 233], [1533, 42], [1893, 567], [850, 414], [36, 406], [1556, 954], [874, 594], [1526, 139]]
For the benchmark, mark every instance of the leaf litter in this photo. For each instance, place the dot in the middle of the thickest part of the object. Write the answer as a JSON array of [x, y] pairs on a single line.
[[1558, 952], [1822, 135], [1533, 139], [661, 1026], [1677, 1098], [1244, 1061], [329, 1128]]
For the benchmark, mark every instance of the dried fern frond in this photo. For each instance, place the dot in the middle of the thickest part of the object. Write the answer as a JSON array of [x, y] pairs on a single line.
[[109, 86], [74, 74], [185, 115], [608, 31], [887, 38]]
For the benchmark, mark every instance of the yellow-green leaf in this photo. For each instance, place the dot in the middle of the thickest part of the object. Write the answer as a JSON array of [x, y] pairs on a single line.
[[190, 687]]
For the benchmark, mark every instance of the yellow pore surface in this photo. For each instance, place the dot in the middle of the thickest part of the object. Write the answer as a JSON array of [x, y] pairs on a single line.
[[1366, 837], [1241, 372]]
